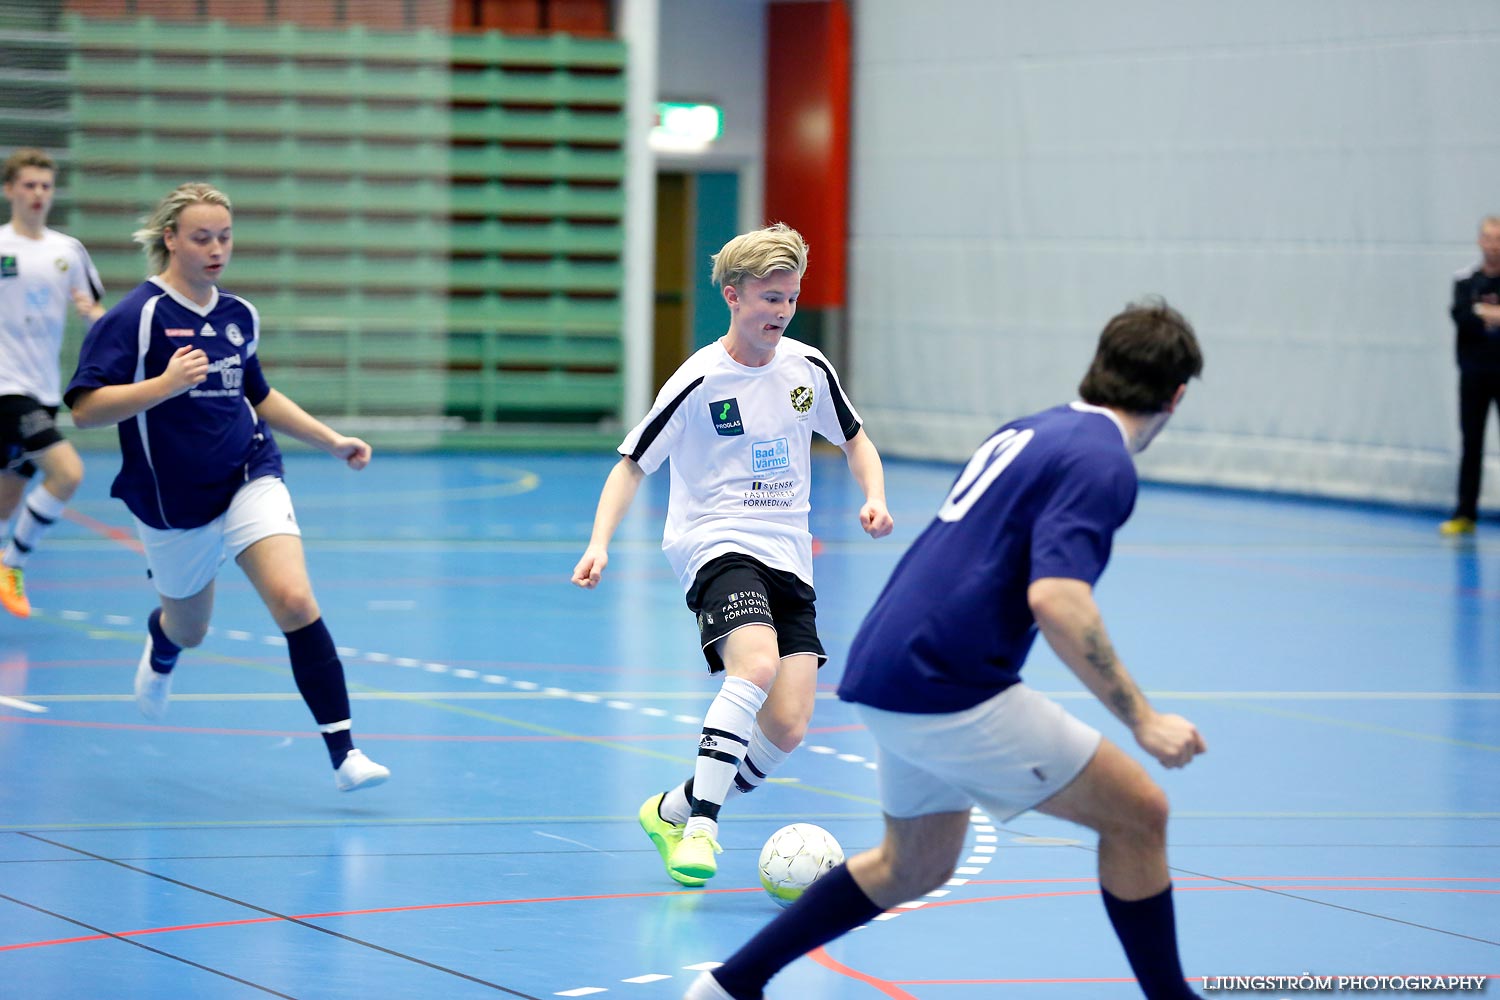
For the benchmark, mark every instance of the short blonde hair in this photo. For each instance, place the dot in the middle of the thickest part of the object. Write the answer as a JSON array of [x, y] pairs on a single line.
[[756, 254], [27, 156], [151, 236]]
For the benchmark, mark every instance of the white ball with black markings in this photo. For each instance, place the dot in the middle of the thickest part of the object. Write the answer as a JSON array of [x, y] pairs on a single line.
[[794, 857]]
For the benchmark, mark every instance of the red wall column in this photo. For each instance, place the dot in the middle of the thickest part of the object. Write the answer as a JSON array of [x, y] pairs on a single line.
[[807, 136]]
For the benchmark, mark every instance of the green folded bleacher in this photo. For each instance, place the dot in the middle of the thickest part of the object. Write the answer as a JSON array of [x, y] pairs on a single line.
[[429, 224]]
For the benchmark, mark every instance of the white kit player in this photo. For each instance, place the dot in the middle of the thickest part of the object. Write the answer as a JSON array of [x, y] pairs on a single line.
[[934, 672], [43, 274], [175, 365], [737, 421]]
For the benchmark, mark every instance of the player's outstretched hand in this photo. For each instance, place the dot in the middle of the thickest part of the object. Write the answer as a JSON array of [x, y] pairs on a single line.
[[1171, 739], [86, 306], [187, 367], [590, 568], [876, 520], [354, 452]]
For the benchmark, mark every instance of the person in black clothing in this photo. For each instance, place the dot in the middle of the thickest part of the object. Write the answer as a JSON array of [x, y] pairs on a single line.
[[1476, 314]]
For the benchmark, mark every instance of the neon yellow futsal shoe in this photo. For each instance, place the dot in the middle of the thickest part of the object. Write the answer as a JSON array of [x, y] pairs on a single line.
[[666, 836], [693, 861], [1457, 526], [13, 591]]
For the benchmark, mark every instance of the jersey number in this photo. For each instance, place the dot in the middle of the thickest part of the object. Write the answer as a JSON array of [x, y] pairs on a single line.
[[988, 462]]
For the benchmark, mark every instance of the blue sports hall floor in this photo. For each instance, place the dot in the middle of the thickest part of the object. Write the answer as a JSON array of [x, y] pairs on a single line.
[[1343, 663]]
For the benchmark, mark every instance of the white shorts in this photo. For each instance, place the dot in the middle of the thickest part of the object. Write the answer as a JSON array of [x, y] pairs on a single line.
[[183, 561], [1008, 754]]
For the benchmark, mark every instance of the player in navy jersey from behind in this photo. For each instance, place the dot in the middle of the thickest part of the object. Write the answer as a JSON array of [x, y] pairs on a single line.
[[737, 421], [935, 671], [42, 273], [174, 364]]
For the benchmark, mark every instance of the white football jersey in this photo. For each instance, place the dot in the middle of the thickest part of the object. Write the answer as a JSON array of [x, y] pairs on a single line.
[[37, 280], [740, 441]]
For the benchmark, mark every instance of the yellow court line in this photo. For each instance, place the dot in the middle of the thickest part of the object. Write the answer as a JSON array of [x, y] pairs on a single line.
[[525, 482], [1207, 814], [1367, 727], [357, 690], [372, 694], [345, 821]]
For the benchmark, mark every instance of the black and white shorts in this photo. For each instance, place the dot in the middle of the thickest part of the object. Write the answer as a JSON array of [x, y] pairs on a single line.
[[735, 590], [26, 428]]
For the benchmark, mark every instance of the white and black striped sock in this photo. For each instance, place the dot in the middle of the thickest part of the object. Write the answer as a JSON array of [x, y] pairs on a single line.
[[726, 734], [40, 511]]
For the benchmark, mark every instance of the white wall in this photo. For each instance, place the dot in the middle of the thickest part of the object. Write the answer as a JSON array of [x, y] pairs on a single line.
[[714, 51], [1302, 180]]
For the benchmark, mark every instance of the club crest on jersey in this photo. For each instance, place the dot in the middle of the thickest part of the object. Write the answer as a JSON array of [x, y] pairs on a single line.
[[9, 267], [62, 264], [726, 416], [802, 398], [233, 335]]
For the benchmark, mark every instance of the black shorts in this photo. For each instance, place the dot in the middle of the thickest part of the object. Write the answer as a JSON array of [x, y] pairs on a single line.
[[26, 427], [735, 590]]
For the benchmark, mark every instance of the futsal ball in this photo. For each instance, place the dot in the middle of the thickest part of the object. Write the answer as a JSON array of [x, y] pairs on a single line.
[[794, 858]]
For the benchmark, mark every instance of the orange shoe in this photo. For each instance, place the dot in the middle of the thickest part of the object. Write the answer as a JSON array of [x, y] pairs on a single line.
[[13, 591]]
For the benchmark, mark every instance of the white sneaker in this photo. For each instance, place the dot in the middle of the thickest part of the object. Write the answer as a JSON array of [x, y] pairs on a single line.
[[151, 688], [706, 987], [359, 771]]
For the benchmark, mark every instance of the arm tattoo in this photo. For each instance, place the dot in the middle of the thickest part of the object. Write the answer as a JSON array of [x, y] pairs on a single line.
[[1101, 656]]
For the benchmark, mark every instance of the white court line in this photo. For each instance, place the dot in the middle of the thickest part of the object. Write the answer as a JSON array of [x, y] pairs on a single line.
[[24, 706]]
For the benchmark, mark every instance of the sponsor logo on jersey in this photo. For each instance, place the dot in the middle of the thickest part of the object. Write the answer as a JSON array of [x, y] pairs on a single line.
[[9, 267], [766, 456], [178, 332], [233, 335], [208, 331], [802, 398], [765, 493], [726, 417], [708, 743]]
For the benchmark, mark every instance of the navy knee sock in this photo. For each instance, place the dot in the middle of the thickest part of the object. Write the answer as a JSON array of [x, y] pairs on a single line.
[[1147, 928], [164, 651], [832, 906], [320, 678]]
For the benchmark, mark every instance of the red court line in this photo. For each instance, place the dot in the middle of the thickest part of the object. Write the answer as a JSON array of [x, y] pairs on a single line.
[[113, 661], [888, 987], [1178, 880], [359, 913], [822, 958], [1210, 888], [114, 534], [827, 961], [1127, 979]]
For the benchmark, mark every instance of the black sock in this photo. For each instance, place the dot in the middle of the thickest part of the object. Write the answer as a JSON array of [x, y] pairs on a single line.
[[1148, 930], [832, 906], [320, 678], [164, 651]]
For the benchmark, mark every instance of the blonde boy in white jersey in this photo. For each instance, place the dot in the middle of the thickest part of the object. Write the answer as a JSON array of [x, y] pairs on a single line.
[[41, 272], [737, 421]]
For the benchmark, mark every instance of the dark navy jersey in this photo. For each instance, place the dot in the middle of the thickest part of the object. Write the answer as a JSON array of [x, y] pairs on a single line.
[[1041, 498], [184, 458]]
